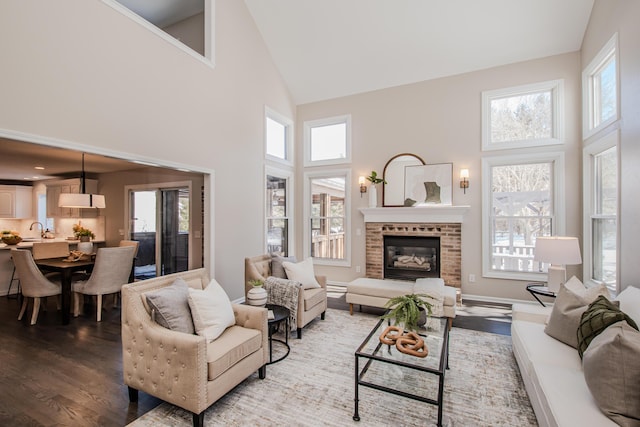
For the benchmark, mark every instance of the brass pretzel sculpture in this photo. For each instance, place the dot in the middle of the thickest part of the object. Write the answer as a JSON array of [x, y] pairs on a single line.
[[411, 343], [408, 343], [391, 334]]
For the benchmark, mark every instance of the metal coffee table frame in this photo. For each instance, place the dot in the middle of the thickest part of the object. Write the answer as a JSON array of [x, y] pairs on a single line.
[[377, 355]]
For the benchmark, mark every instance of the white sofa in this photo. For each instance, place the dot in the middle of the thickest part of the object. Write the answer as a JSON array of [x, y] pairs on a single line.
[[553, 372]]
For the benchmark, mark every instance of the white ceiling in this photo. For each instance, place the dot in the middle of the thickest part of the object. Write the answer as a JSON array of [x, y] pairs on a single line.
[[331, 48], [163, 13]]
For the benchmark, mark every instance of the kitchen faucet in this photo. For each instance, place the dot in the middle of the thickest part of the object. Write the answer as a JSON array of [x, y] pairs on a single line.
[[41, 228]]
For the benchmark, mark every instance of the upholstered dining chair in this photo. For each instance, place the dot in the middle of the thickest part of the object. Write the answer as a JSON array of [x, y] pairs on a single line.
[[34, 284], [110, 272], [44, 250], [136, 245]]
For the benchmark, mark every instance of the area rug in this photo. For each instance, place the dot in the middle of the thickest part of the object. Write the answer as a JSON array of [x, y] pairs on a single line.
[[314, 386]]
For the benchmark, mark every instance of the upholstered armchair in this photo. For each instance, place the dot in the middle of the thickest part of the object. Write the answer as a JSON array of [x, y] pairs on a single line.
[[185, 369], [311, 302]]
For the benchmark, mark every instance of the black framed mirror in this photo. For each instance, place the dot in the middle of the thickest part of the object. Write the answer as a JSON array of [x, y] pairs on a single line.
[[393, 174]]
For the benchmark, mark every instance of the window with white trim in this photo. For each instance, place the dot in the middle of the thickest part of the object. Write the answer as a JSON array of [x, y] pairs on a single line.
[[327, 196], [278, 214], [600, 89], [601, 205], [327, 141], [278, 131], [523, 116], [522, 200]]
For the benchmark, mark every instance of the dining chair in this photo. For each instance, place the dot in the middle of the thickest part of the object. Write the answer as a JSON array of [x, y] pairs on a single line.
[[110, 272], [34, 284], [42, 250], [136, 245]]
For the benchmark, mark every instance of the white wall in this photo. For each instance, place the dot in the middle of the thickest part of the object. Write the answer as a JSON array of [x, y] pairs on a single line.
[[82, 73], [607, 18], [440, 121]]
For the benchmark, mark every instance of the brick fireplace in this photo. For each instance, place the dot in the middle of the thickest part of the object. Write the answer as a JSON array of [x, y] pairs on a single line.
[[443, 222]]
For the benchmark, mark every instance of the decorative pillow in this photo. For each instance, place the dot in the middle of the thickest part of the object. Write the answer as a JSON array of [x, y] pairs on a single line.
[[630, 302], [302, 272], [170, 307], [211, 310], [612, 372], [277, 270], [572, 300], [601, 314]]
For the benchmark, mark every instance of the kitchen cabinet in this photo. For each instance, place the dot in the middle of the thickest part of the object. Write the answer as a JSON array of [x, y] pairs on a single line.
[[16, 201], [55, 188]]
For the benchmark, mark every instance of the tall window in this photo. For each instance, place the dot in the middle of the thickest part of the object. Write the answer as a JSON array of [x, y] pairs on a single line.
[[327, 141], [520, 205], [601, 203], [523, 116], [327, 230], [600, 89], [278, 133], [277, 209]]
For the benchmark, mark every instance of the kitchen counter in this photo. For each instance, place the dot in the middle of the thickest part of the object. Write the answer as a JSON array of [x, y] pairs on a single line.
[[27, 244]]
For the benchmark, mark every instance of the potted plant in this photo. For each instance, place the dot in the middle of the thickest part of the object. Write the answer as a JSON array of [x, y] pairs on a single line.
[[374, 179], [257, 295], [83, 234], [406, 310]]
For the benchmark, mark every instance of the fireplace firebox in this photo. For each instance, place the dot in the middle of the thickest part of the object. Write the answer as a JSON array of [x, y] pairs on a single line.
[[411, 257]]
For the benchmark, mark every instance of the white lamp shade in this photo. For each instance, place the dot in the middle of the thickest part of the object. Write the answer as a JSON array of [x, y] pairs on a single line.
[[81, 201], [558, 250]]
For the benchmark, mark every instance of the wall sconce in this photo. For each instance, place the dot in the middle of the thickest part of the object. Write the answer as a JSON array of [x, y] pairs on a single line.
[[464, 176], [363, 186]]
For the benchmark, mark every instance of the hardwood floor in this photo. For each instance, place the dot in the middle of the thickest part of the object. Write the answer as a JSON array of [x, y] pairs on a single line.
[[72, 375], [63, 375]]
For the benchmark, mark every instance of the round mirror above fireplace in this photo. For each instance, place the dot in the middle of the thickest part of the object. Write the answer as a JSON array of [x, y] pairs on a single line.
[[393, 174]]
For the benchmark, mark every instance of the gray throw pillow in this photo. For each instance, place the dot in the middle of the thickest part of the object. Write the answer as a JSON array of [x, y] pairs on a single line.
[[612, 372], [572, 300], [600, 314], [170, 307], [277, 270]]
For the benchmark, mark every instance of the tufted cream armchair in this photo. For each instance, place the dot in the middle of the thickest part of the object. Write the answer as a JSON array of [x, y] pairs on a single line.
[[184, 369], [312, 301]]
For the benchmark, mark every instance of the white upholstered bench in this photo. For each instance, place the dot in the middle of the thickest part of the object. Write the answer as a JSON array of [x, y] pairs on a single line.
[[376, 293]]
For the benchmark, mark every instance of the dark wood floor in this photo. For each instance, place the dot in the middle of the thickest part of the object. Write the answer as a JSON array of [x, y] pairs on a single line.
[[63, 375], [71, 375]]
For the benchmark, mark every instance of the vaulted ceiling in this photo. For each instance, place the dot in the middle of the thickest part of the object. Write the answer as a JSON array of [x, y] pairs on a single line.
[[331, 48]]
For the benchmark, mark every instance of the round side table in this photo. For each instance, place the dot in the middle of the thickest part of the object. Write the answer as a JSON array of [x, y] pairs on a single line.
[[539, 288], [280, 314]]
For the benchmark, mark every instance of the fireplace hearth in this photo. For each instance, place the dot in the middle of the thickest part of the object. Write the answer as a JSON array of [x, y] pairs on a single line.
[[411, 257]]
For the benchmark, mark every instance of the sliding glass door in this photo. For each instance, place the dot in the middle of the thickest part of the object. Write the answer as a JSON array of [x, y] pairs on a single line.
[[159, 220]]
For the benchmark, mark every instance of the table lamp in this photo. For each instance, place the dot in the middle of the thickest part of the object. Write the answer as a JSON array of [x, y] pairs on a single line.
[[557, 251]]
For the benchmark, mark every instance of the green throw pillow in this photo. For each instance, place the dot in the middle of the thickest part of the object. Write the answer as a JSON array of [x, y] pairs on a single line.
[[600, 314]]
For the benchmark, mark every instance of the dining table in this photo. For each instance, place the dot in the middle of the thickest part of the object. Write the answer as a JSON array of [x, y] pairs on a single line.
[[66, 269]]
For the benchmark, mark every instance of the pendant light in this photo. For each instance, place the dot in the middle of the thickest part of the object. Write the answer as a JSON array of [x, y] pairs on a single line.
[[81, 200]]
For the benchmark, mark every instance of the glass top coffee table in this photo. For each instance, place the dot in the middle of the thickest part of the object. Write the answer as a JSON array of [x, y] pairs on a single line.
[[383, 367]]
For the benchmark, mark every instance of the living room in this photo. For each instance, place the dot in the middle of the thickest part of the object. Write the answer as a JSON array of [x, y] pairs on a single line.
[[104, 84]]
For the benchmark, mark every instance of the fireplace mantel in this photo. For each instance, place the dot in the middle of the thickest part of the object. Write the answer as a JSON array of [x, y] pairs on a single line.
[[430, 214]]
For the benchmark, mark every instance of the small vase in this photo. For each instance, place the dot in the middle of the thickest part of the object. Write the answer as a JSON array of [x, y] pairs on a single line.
[[373, 196], [85, 247], [257, 296]]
